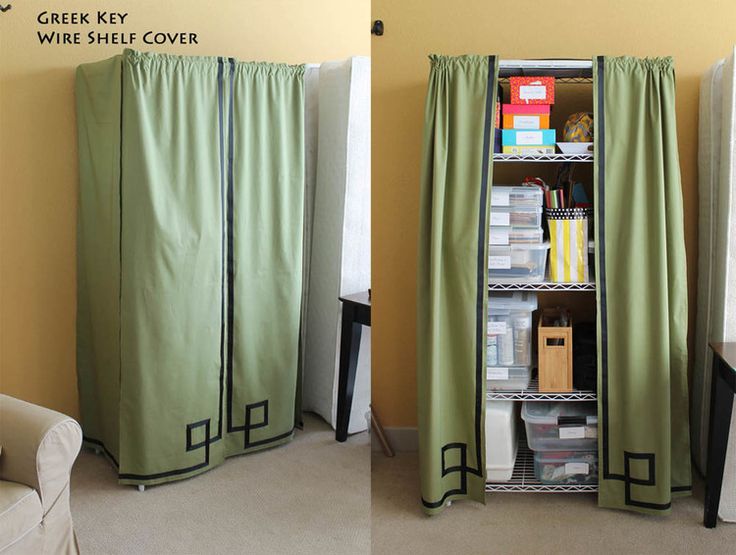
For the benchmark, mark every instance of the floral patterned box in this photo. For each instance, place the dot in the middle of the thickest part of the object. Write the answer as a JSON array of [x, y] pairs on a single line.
[[532, 90]]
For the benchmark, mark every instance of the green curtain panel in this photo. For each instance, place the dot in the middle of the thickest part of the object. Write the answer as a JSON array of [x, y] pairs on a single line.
[[641, 287], [452, 277], [189, 259]]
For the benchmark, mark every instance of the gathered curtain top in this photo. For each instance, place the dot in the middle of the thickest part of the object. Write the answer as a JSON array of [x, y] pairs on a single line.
[[464, 61], [665, 63], [623, 62], [136, 57]]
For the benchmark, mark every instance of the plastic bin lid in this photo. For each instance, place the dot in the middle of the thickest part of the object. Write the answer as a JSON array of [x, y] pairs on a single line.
[[565, 456], [544, 412], [517, 208], [500, 192], [521, 246], [512, 300], [500, 407], [515, 372]]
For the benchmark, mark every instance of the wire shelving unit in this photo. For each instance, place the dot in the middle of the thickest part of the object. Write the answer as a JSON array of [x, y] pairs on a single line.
[[523, 478]]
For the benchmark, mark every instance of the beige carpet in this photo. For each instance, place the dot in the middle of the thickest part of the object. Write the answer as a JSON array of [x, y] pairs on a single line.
[[310, 496], [530, 523]]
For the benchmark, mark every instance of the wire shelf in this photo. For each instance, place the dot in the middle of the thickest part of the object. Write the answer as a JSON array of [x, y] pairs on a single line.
[[532, 393], [542, 286], [500, 157], [564, 71], [524, 480], [574, 80]]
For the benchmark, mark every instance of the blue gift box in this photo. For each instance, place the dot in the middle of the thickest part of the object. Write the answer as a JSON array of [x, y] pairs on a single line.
[[528, 137]]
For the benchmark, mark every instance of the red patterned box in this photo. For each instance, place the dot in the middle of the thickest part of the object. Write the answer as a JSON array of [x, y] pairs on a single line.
[[532, 90]]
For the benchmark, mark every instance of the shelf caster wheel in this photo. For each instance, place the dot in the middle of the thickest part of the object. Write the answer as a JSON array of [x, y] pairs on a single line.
[[141, 488]]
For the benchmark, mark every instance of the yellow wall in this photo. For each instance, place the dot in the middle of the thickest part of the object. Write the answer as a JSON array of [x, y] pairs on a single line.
[[38, 166], [696, 34]]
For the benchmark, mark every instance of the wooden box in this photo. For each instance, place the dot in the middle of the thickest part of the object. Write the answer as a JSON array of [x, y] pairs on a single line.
[[555, 351]]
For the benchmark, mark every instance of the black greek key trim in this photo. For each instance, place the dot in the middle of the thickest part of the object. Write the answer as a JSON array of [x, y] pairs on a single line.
[[253, 422], [463, 469], [189, 446], [204, 443], [250, 424], [650, 480]]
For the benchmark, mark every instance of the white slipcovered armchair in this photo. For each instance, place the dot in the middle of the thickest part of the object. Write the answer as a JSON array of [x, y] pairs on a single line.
[[39, 447]]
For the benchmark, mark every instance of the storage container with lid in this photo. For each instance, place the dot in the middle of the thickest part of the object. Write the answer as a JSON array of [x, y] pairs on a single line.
[[514, 195], [528, 137], [530, 89], [517, 263], [566, 467], [517, 216], [501, 443], [507, 235], [509, 332], [561, 426], [526, 116], [508, 378], [527, 150]]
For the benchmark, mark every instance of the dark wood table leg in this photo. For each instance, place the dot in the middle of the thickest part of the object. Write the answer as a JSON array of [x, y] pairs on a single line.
[[721, 403], [350, 334]]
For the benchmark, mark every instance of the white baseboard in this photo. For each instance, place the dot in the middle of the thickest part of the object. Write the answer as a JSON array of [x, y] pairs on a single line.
[[401, 439]]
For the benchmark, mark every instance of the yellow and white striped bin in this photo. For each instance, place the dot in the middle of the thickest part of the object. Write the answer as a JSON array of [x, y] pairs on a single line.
[[568, 237]]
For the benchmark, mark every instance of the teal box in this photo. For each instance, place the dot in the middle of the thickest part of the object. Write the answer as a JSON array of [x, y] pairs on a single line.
[[528, 137]]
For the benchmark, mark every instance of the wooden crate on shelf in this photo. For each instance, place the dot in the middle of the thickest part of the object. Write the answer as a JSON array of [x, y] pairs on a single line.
[[555, 351]]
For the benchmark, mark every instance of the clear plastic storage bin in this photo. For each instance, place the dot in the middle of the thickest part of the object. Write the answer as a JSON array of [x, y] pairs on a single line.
[[517, 263], [510, 195], [509, 338], [516, 216], [565, 426], [566, 467], [502, 235], [501, 444], [507, 378]]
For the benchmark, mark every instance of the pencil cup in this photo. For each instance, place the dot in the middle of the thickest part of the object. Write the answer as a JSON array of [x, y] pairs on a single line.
[[568, 254]]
